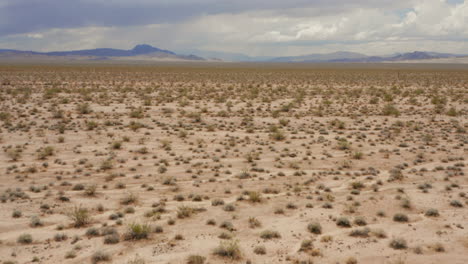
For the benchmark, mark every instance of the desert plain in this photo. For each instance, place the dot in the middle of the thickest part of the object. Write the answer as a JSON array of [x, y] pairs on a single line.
[[233, 163]]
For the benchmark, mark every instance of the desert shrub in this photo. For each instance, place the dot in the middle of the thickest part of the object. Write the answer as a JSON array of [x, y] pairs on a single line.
[[91, 190], [83, 109], [137, 231], [315, 228], [227, 225], [137, 113], [351, 260], [358, 155], [306, 245], [396, 175], [137, 260], [130, 210], [111, 239], [229, 208], [343, 222], [269, 234], [169, 180], [456, 203], [35, 222], [255, 197], [228, 249], [16, 214], [117, 145], [438, 247], [360, 221], [158, 229], [357, 185], [278, 135], [106, 165], [343, 144], [107, 230], [130, 198], [25, 239], [195, 259], [100, 256], [406, 203], [60, 237], [92, 231], [432, 212], [43, 153], [70, 254], [452, 112], [14, 154], [78, 187], [379, 233], [254, 222], [390, 110], [184, 212], [80, 216], [260, 250], [279, 211], [399, 217], [398, 243], [217, 202], [364, 232], [381, 213]]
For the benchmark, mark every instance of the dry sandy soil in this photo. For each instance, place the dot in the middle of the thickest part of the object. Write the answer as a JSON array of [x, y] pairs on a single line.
[[233, 164]]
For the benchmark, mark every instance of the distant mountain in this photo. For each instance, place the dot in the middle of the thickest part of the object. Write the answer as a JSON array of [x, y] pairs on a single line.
[[419, 55], [141, 51], [226, 56], [340, 55], [144, 52], [358, 57]]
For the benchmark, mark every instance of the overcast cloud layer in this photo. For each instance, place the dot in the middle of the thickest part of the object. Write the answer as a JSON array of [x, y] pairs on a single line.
[[253, 27]]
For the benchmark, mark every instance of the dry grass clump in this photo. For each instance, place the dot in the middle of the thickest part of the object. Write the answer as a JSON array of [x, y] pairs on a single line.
[[80, 216], [228, 249], [315, 228], [137, 231], [270, 234], [398, 243], [195, 259], [100, 256], [25, 239]]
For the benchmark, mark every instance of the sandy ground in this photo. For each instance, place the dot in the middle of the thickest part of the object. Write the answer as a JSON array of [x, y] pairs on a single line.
[[200, 154]]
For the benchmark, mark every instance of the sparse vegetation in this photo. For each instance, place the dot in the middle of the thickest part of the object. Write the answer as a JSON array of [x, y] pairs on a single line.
[[270, 160]]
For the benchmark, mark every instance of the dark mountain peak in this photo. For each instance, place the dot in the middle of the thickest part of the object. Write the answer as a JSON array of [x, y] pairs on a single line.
[[415, 55], [145, 49]]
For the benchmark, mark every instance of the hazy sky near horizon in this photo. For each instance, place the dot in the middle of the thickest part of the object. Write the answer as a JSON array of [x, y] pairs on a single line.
[[252, 27]]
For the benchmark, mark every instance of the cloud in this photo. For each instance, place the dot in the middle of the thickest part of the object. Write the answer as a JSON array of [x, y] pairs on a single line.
[[21, 16], [254, 27]]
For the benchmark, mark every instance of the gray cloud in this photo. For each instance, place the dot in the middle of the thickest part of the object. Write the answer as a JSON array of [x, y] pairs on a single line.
[[255, 27], [22, 16]]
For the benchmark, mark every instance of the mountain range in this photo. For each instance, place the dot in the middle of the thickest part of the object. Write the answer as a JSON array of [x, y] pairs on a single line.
[[145, 52], [139, 52], [340, 56]]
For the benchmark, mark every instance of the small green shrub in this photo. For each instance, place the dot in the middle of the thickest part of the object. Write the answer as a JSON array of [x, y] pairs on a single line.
[[137, 231]]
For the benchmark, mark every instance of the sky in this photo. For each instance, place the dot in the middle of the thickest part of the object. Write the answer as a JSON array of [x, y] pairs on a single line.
[[252, 27]]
